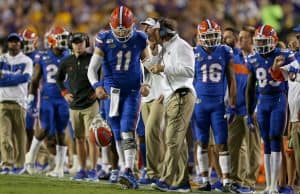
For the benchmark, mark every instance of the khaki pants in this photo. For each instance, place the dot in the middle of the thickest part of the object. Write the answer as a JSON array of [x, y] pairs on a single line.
[[82, 119], [237, 150], [295, 135], [152, 114], [252, 141], [178, 114], [12, 134], [244, 148]]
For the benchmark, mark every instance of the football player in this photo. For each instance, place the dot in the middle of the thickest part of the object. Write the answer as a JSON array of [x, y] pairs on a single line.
[[30, 43], [119, 51], [272, 98], [54, 110], [213, 73]]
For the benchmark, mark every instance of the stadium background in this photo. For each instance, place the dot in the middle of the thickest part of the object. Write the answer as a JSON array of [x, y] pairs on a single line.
[[92, 15]]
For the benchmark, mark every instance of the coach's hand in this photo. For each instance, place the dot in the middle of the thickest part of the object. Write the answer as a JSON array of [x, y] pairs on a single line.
[[145, 90], [101, 93], [69, 97], [157, 68]]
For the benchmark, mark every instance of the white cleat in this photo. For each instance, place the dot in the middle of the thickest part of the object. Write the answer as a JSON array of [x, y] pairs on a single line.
[[56, 173], [31, 169]]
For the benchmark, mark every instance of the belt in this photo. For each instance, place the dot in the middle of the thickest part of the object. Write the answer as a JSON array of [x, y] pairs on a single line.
[[272, 93], [182, 91], [8, 102]]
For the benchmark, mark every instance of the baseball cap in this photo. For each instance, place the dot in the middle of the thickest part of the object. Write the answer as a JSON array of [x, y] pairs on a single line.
[[78, 37], [149, 21], [14, 36]]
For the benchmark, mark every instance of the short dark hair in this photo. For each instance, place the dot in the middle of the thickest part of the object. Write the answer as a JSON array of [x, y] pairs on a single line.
[[249, 29], [168, 23], [231, 29]]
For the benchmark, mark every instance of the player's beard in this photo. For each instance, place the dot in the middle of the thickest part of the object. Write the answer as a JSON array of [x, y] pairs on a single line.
[[13, 51]]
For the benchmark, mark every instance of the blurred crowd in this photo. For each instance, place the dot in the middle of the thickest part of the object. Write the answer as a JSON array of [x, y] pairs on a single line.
[[92, 15]]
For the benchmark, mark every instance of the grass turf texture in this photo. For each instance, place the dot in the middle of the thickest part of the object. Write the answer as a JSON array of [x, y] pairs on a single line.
[[25, 184]]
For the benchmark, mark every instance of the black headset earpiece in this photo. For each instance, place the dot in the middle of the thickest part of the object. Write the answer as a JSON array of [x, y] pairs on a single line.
[[87, 40]]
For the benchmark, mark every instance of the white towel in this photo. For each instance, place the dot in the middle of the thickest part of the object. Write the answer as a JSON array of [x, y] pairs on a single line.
[[114, 102]]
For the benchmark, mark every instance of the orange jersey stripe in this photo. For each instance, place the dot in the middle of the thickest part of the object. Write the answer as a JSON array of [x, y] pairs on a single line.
[[240, 69]]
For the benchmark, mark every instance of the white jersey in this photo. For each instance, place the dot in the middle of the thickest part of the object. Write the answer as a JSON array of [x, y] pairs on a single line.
[[179, 61], [294, 100], [155, 82], [15, 71]]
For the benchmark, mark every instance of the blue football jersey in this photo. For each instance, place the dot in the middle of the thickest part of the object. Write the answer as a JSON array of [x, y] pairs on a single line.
[[260, 66], [49, 63], [210, 78], [122, 61], [34, 55]]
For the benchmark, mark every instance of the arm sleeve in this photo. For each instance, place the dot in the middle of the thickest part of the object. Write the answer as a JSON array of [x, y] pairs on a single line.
[[184, 63], [94, 66]]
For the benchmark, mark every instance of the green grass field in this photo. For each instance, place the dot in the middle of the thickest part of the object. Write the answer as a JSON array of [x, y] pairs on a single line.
[[25, 184]]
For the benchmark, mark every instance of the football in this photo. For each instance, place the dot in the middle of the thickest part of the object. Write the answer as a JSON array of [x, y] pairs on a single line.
[[100, 132]]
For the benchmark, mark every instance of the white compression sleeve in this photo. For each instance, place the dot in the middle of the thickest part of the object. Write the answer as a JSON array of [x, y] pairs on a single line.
[[94, 66]]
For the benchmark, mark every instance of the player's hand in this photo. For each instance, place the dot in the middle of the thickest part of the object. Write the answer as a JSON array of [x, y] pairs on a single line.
[[69, 97], [157, 68], [278, 62], [145, 90], [230, 114], [250, 123], [31, 105], [101, 93]]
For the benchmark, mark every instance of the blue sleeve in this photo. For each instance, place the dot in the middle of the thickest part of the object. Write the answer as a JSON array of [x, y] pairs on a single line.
[[290, 57], [142, 39], [228, 54], [13, 80], [100, 40]]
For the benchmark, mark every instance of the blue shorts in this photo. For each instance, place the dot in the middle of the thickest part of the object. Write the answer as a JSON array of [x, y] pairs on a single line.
[[271, 115], [209, 112], [129, 111], [54, 115]]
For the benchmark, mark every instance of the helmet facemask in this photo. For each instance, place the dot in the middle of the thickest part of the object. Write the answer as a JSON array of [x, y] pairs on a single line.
[[263, 44]]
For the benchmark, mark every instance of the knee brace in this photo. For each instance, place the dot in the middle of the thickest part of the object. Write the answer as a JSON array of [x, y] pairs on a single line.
[[128, 141]]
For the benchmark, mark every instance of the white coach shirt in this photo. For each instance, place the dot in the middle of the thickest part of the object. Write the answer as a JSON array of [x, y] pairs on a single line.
[[179, 61], [15, 65]]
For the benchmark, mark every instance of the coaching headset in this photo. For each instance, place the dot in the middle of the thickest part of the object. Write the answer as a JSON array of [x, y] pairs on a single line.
[[79, 36], [164, 28]]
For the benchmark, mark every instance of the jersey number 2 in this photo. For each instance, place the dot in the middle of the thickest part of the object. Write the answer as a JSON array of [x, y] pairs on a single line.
[[120, 56], [51, 72]]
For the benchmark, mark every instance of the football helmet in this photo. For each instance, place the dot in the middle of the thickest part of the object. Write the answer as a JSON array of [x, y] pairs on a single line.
[[209, 33], [265, 39], [122, 23], [100, 132], [30, 38], [57, 37]]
